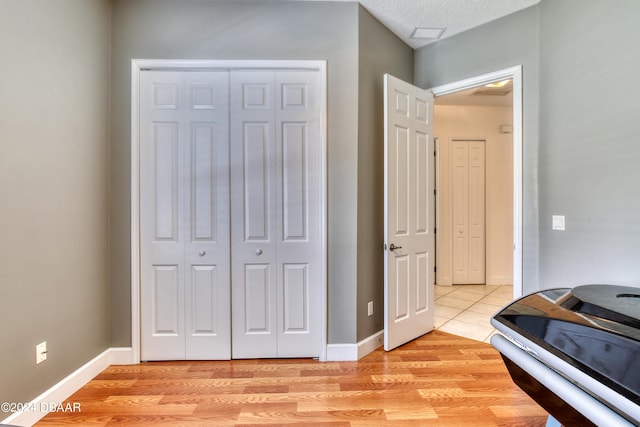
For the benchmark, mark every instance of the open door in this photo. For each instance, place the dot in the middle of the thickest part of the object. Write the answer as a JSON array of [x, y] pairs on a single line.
[[409, 183]]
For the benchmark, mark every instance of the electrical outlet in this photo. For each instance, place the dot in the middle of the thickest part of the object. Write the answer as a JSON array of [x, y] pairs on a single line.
[[370, 308], [557, 222], [41, 352]]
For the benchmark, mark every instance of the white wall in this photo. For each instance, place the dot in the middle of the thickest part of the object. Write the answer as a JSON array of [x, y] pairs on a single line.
[[460, 122]]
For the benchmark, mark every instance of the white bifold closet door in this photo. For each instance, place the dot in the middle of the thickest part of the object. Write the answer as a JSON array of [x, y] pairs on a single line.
[[184, 215], [276, 213], [468, 211], [230, 214]]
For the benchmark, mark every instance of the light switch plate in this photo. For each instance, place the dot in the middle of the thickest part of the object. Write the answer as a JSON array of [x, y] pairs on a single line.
[[41, 352], [557, 222]]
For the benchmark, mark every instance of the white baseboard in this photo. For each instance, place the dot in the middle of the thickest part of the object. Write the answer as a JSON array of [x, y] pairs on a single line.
[[370, 344], [342, 352], [122, 356], [352, 352], [41, 405], [500, 280]]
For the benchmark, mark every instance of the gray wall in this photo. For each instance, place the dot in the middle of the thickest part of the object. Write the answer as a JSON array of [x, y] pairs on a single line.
[[380, 51], [512, 40], [61, 218], [590, 142], [581, 145], [53, 209], [243, 30]]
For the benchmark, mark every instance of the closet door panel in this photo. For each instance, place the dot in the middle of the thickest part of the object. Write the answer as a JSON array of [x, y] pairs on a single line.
[[253, 213], [206, 183], [299, 211], [184, 213]]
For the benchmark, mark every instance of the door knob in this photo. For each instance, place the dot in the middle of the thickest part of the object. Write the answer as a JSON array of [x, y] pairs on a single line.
[[203, 252], [393, 247], [258, 251]]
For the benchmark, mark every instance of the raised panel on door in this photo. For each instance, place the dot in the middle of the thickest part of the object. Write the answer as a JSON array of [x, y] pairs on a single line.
[[258, 302], [164, 165], [295, 151], [166, 301], [298, 211], [296, 299], [257, 145], [253, 209], [399, 157], [165, 311]]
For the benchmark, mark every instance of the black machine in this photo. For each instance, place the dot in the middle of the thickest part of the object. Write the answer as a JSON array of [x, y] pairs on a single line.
[[576, 352]]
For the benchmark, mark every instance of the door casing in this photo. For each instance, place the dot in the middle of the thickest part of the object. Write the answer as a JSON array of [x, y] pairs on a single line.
[[137, 65]]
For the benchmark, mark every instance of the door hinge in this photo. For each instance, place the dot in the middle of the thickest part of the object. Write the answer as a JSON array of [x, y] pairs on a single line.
[[435, 230], [435, 269]]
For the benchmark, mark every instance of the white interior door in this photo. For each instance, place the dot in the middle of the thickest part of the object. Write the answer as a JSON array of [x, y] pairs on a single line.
[[468, 211], [276, 213], [184, 213], [409, 212]]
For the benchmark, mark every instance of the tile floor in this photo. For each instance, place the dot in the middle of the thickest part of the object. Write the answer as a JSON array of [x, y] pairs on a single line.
[[465, 310]]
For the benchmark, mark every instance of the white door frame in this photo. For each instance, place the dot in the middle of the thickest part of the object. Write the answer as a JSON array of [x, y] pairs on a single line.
[[514, 73], [137, 65]]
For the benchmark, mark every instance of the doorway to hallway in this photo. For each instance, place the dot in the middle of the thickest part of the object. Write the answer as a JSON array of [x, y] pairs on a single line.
[[503, 168], [487, 108]]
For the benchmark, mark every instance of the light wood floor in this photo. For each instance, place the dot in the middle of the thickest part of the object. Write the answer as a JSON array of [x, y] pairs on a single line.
[[437, 380]]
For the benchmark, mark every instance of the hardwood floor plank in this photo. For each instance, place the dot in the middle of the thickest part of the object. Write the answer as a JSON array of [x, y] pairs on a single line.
[[314, 418], [172, 420], [526, 410], [438, 380]]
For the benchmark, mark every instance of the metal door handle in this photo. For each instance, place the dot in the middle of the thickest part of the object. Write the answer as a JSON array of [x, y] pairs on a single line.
[[258, 251], [393, 247], [203, 252]]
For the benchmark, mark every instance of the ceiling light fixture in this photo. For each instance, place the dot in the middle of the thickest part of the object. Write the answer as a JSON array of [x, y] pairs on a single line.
[[498, 84], [427, 33]]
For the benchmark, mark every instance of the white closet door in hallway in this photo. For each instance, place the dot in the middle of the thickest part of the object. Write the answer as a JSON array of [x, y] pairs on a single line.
[[468, 211], [231, 212]]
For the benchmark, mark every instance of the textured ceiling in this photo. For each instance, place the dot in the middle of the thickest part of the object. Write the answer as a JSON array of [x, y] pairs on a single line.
[[403, 16]]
